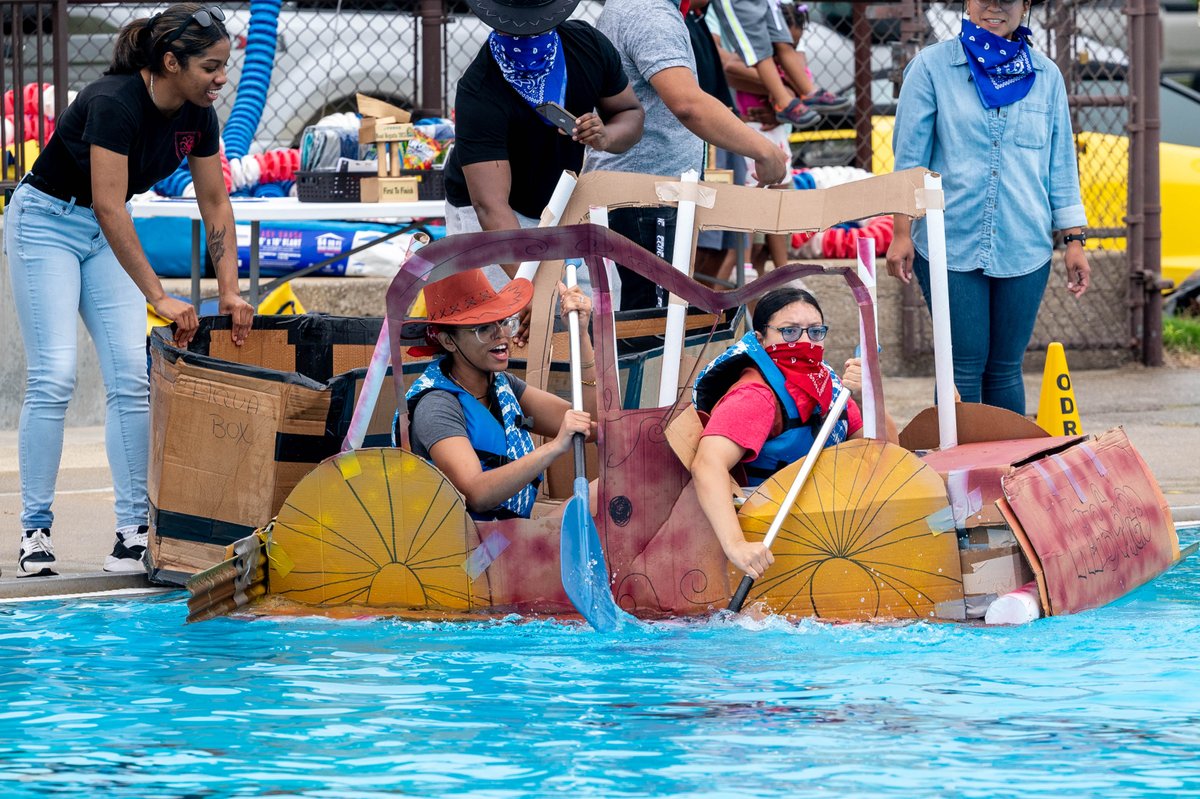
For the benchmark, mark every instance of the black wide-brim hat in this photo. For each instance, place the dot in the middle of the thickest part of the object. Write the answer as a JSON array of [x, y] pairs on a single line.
[[522, 17]]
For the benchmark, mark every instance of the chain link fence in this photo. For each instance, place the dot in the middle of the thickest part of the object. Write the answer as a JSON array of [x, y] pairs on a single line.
[[327, 50]]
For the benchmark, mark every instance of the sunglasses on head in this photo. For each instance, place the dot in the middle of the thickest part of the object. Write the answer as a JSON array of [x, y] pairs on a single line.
[[204, 17]]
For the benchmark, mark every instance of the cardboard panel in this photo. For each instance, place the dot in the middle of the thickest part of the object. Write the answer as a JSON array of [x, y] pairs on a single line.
[[857, 543], [972, 472], [976, 423], [1097, 519]]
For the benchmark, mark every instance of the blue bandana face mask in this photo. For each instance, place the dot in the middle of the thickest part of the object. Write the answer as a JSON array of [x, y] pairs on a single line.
[[1002, 68], [533, 65]]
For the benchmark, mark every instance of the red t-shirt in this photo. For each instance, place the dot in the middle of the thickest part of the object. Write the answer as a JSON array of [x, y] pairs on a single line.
[[749, 414]]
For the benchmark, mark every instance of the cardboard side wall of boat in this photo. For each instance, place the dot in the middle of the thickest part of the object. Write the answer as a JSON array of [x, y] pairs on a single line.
[[1089, 517], [233, 429]]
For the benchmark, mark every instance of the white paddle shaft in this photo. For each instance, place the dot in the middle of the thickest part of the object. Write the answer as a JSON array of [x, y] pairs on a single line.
[[866, 272], [810, 460], [573, 328]]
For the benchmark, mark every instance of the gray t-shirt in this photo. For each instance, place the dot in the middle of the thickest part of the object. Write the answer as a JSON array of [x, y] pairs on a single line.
[[440, 415], [651, 36]]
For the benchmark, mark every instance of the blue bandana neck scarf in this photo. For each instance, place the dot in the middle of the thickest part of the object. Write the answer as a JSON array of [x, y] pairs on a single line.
[[533, 65], [1003, 68]]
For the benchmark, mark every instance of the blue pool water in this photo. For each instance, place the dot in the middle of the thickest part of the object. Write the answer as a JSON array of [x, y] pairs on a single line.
[[118, 698]]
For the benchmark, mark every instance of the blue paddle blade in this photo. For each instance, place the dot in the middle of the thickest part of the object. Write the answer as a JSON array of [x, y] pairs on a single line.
[[584, 573]]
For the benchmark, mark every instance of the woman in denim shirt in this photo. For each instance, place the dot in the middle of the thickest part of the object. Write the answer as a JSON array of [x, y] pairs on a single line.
[[990, 114]]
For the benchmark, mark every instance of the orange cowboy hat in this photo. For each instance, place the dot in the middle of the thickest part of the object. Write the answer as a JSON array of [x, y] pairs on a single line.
[[467, 299]]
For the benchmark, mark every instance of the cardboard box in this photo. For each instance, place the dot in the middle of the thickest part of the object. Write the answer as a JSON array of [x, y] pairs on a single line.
[[992, 565], [233, 429], [390, 190]]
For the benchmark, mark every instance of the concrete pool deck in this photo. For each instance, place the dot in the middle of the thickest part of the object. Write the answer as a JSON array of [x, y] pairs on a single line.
[[1159, 408]]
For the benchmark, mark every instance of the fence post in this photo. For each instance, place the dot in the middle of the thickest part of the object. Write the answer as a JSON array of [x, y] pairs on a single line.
[[433, 21], [1152, 345]]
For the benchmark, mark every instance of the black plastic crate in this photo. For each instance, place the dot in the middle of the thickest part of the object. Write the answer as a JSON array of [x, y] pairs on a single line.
[[346, 187]]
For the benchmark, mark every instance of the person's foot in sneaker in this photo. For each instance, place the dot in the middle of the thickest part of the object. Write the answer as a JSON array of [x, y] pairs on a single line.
[[824, 102], [798, 114], [128, 553], [36, 558]]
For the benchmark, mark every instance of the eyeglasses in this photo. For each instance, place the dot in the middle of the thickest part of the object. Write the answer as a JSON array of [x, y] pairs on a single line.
[[792, 334], [494, 330], [1005, 5], [204, 17]]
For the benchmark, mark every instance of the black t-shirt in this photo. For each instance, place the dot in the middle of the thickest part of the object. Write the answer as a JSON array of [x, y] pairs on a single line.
[[709, 72], [116, 113], [494, 123]]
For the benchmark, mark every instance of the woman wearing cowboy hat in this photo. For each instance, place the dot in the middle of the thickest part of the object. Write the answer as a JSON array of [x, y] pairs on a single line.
[[469, 416], [990, 114]]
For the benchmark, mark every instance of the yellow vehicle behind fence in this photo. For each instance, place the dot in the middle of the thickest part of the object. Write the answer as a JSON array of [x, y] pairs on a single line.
[[1104, 180]]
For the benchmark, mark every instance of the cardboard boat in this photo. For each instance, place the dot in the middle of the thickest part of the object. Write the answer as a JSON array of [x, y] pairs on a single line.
[[880, 531]]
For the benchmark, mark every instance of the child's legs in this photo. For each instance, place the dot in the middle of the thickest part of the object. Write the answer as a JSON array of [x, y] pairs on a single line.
[[795, 66]]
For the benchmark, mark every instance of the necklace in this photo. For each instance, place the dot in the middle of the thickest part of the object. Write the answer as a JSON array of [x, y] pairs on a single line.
[[152, 89], [479, 397]]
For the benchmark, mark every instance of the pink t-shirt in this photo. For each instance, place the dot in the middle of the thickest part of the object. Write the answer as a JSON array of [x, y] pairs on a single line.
[[749, 413]]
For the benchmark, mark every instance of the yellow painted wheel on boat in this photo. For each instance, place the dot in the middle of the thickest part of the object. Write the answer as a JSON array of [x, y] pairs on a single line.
[[376, 527], [858, 542]]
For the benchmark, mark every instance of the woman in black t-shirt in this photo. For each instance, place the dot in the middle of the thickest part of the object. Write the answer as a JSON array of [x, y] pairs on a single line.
[[507, 156], [72, 248]]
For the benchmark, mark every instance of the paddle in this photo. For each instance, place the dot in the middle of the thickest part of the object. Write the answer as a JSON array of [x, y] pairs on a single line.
[[584, 572], [810, 460]]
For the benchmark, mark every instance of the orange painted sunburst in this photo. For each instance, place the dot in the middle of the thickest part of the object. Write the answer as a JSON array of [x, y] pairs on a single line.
[[376, 527], [858, 543]]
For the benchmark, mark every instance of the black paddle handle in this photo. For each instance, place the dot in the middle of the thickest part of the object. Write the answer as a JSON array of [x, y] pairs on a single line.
[[739, 596], [580, 463]]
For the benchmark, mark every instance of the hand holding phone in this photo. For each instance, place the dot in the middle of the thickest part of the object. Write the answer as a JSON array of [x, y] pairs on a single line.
[[560, 117]]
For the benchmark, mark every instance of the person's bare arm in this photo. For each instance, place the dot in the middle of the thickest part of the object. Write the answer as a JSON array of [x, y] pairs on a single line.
[[110, 181], [715, 457], [616, 128], [704, 115], [489, 183], [217, 213]]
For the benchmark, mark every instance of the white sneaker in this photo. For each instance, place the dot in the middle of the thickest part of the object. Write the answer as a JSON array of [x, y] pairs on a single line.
[[129, 552], [37, 554]]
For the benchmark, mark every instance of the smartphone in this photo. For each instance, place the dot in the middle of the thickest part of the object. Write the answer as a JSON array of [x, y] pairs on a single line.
[[558, 116]]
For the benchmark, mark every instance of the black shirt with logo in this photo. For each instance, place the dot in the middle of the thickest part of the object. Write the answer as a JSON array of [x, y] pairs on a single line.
[[116, 113], [494, 123]]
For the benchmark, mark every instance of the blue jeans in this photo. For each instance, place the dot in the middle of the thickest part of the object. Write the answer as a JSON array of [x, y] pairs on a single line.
[[61, 265], [991, 322]]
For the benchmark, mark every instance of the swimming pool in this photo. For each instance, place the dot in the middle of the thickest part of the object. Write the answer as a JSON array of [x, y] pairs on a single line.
[[117, 698]]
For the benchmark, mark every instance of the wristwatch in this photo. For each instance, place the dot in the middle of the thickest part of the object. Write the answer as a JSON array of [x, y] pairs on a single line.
[[1079, 237]]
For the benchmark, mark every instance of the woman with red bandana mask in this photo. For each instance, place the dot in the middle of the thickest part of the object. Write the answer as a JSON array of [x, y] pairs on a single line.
[[767, 396]]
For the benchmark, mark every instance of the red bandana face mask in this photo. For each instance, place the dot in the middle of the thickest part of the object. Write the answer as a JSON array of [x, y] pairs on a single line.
[[804, 374]]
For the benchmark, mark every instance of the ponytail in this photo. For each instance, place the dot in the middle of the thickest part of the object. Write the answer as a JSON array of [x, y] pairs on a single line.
[[132, 49]]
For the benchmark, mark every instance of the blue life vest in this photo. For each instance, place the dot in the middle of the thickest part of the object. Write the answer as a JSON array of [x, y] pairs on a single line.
[[797, 437], [495, 445]]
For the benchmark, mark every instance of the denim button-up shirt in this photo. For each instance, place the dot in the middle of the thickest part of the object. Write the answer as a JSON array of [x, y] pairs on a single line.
[[1009, 174]]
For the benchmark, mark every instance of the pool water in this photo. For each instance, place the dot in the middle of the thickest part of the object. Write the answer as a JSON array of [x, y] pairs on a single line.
[[118, 698]]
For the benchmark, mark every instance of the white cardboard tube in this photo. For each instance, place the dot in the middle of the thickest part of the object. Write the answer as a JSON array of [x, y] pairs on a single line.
[[598, 215], [1016, 607], [551, 217], [866, 272], [681, 259], [939, 293]]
